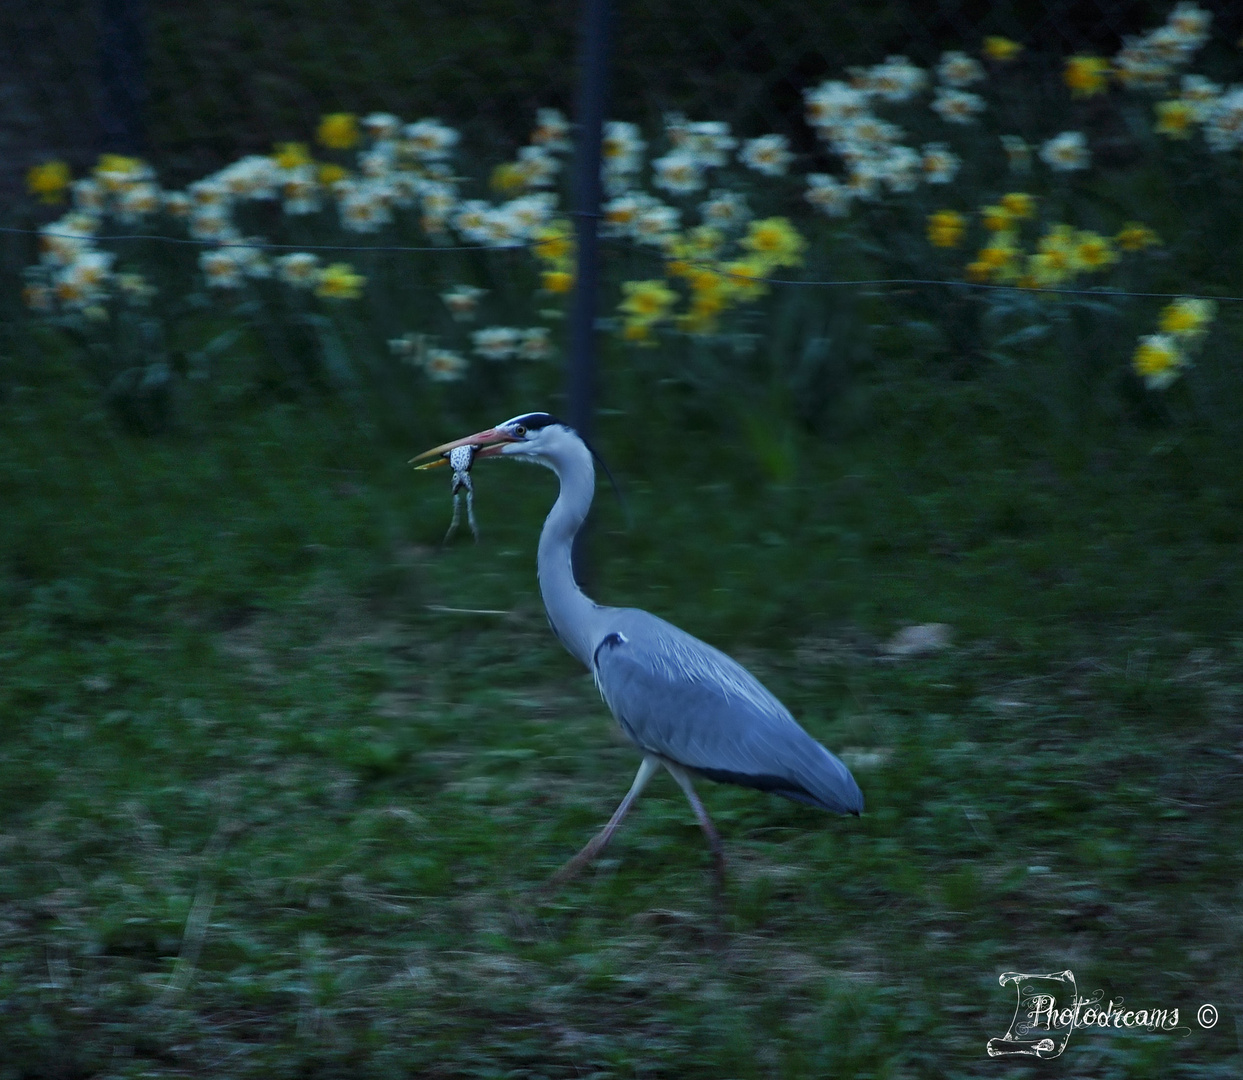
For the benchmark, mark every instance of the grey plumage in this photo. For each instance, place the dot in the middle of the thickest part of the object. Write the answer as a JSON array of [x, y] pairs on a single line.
[[685, 701], [687, 706]]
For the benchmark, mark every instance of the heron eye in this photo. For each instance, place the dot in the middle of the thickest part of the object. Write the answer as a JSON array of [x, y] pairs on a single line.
[[520, 431]]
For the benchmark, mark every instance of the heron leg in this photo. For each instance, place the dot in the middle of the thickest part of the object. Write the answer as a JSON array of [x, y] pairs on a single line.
[[701, 815], [600, 841]]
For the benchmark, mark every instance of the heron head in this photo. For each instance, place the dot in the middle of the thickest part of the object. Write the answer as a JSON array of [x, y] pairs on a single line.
[[534, 436]]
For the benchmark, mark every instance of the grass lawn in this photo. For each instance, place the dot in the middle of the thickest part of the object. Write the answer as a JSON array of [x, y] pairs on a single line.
[[269, 809]]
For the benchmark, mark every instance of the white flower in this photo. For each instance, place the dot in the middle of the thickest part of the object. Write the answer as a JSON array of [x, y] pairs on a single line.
[[678, 172], [137, 201], [471, 220], [957, 69], [1018, 153], [621, 212], [535, 344], [828, 195], [253, 177], [87, 195], [865, 177], [654, 223], [429, 140], [900, 169], [83, 280], [363, 205], [177, 203], [833, 103], [212, 223], [769, 154], [896, 80], [528, 212], [1191, 22], [939, 164], [709, 142], [539, 167], [222, 268], [724, 210], [1200, 93], [1223, 121], [299, 269], [621, 147], [381, 125], [1066, 152], [957, 106], [300, 191], [552, 130], [497, 342], [462, 300], [444, 365]]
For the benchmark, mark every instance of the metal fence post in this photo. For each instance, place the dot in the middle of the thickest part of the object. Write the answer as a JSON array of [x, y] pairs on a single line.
[[122, 90], [593, 65]]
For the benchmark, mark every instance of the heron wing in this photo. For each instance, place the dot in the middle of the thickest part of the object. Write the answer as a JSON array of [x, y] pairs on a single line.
[[679, 698]]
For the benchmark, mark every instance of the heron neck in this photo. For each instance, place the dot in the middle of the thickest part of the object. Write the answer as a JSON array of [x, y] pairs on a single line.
[[570, 611]]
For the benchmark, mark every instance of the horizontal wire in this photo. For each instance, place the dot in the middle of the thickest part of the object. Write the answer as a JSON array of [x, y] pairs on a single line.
[[834, 283], [1053, 289], [265, 246]]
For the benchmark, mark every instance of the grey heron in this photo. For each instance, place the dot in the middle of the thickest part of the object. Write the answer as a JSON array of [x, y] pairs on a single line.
[[687, 706]]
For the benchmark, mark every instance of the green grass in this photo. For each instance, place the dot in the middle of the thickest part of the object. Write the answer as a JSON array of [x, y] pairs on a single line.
[[269, 811]]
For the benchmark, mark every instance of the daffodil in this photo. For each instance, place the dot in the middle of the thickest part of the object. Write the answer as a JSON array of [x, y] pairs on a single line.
[[1135, 236], [339, 282], [946, 228], [1093, 252], [1018, 204], [1086, 75], [48, 181], [775, 242], [647, 301], [1158, 360], [1174, 118], [291, 155], [338, 131], [1187, 318], [1001, 49]]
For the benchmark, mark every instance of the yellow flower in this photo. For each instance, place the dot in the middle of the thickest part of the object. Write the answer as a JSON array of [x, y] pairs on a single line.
[[1174, 119], [331, 174], [1158, 360], [291, 155], [997, 262], [48, 181], [508, 178], [775, 242], [945, 228], [744, 278], [1186, 317], [1086, 75], [1018, 204], [1001, 49], [339, 282], [1135, 236], [1093, 252], [119, 164], [554, 243], [557, 281], [996, 218], [647, 301], [338, 131]]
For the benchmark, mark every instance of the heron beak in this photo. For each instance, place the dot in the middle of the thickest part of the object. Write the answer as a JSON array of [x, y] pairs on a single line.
[[489, 444]]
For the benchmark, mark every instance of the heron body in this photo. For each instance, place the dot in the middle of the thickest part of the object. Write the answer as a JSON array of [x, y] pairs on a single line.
[[687, 706]]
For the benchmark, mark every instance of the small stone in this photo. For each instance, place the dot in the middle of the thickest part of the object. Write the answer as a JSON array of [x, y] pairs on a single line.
[[919, 640]]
